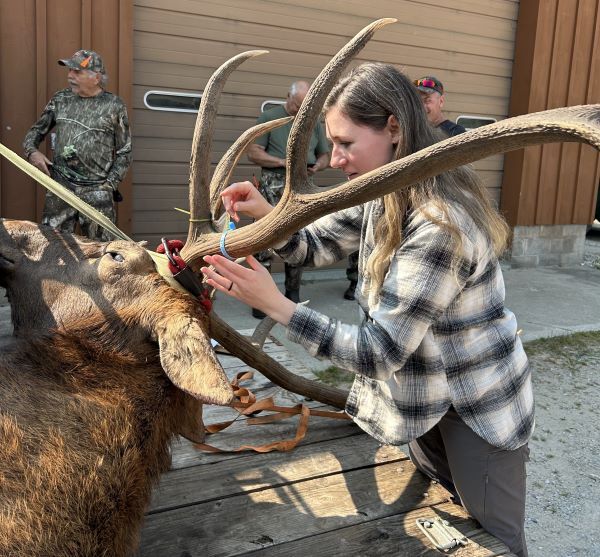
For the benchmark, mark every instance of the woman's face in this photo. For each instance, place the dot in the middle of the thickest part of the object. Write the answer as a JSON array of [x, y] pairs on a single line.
[[357, 149]]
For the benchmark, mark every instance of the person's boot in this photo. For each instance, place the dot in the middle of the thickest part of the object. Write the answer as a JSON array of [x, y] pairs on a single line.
[[293, 276], [293, 295], [258, 314], [349, 294]]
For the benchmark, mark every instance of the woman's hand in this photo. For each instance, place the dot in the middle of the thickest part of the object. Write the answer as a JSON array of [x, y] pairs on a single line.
[[243, 197], [254, 286]]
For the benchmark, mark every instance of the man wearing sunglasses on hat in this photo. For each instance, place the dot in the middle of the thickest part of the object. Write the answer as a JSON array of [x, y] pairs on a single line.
[[432, 95], [91, 144]]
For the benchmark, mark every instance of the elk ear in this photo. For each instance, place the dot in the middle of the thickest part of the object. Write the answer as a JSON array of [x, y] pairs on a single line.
[[188, 359]]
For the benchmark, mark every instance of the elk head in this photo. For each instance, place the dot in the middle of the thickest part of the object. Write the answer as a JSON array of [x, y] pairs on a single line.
[[59, 281]]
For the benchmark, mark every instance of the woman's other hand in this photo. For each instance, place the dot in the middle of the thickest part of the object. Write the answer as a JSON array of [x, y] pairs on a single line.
[[252, 285]]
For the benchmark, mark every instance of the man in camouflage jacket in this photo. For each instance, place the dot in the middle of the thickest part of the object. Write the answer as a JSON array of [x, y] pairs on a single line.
[[92, 146]]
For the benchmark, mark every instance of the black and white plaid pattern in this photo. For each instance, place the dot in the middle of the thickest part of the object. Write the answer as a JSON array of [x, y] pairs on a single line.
[[435, 336]]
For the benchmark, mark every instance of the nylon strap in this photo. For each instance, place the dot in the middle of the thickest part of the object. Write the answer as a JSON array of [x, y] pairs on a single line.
[[247, 405]]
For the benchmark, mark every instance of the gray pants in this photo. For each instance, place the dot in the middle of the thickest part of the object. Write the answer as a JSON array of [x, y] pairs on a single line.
[[489, 482]]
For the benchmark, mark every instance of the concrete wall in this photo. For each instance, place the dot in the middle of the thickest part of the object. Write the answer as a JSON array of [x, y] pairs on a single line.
[[544, 245]]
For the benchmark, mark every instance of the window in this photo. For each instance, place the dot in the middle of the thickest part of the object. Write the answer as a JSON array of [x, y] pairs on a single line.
[[172, 101], [471, 122], [271, 103]]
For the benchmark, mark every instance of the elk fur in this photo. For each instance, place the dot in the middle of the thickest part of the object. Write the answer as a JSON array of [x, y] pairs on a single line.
[[88, 408]]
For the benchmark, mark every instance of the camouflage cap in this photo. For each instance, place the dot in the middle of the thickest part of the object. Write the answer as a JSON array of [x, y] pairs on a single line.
[[84, 60], [429, 84]]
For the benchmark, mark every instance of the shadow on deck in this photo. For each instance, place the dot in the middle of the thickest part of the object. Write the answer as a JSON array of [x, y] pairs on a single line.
[[338, 493]]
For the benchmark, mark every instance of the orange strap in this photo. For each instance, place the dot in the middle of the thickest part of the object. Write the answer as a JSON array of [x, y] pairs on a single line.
[[247, 405]]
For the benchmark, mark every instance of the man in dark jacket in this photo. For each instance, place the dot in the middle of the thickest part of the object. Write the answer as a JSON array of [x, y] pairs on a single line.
[[432, 95]]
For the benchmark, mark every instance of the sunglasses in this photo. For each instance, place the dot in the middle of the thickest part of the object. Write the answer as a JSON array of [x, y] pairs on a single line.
[[429, 83]]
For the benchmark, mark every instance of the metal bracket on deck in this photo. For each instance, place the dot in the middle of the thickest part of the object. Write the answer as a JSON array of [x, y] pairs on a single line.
[[441, 534]]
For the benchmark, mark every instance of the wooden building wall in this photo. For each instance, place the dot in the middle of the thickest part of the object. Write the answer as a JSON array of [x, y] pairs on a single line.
[[468, 44], [557, 63], [34, 34]]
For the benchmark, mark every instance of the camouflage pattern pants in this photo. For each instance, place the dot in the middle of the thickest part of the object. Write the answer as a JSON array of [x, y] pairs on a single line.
[[59, 214], [271, 187]]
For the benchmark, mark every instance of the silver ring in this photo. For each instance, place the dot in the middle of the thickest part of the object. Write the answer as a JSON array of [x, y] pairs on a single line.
[[230, 287]]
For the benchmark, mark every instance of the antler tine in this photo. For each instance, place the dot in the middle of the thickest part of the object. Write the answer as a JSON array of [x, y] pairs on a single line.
[[201, 143], [222, 175], [242, 348], [305, 120], [573, 124]]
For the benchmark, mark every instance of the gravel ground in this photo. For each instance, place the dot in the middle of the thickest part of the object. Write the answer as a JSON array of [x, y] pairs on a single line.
[[563, 515], [591, 253]]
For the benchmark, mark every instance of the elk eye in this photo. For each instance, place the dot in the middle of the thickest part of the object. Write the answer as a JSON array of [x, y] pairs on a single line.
[[116, 256]]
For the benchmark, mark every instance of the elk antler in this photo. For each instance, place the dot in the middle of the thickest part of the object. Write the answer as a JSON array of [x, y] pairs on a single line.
[[205, 204], [242, 348], [300, 205], [200, 217], [200, 210]]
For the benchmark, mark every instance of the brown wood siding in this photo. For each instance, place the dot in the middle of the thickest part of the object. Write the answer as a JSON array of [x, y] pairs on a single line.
[[558, 46], [468, 44], [34, 34]]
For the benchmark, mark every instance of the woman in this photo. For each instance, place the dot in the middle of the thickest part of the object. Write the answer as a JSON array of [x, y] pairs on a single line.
[[437, 360]]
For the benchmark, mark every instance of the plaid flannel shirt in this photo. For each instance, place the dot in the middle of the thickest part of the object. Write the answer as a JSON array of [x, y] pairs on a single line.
[[433, 336]]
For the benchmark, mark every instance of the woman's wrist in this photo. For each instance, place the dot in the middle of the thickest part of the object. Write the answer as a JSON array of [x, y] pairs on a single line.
[[283, 310]]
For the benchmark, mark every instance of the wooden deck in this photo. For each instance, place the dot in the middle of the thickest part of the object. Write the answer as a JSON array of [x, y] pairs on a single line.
[[338, 493]]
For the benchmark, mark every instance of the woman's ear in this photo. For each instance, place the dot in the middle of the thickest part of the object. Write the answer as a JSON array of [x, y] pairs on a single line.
[[393, 126]]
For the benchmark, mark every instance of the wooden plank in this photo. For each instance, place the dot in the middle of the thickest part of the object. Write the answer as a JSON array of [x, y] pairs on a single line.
[[552, 155], [302, 64], [586, 194], [265, 83], [540, 87], [22, 97], [342, 17], [417, 13], [241, 111], [235, 525], [568, 181], [193, 38], [186, 455], [497, 8], [255, 472], [394, 535]]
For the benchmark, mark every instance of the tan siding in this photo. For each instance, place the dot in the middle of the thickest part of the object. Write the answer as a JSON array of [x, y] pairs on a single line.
[[466, 43]]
